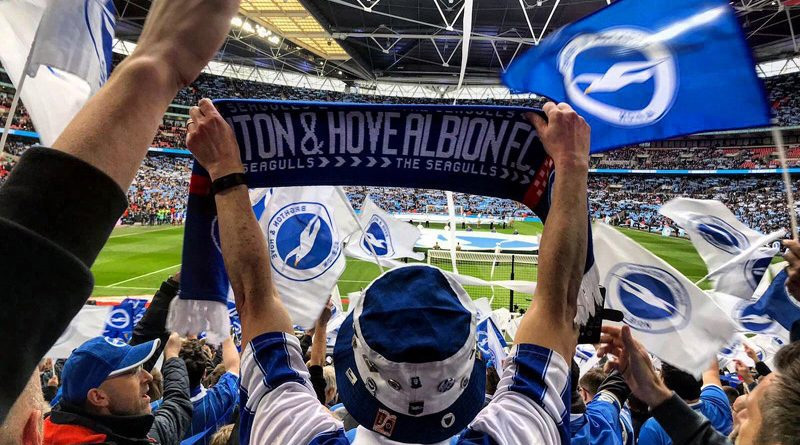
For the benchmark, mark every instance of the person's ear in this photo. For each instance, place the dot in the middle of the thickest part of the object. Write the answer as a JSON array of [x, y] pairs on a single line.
[[97, 398], [32, 432]]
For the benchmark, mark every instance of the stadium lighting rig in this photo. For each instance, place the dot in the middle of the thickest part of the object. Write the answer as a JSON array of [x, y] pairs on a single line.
[[258, 30]]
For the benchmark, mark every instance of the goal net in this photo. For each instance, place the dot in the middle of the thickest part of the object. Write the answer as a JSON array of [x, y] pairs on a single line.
[[433, 209], [507, 266]]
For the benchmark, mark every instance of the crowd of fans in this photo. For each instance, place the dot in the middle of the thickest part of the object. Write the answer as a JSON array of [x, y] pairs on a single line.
[[759, 202], [695, 158], [411, 363], [160, 189]]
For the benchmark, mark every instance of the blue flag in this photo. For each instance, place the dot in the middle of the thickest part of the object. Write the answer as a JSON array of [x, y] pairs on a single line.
[[643, 70], [122, 318], [776, 303]]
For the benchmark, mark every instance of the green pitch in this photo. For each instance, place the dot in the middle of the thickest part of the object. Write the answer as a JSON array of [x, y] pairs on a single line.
[[136, 260]]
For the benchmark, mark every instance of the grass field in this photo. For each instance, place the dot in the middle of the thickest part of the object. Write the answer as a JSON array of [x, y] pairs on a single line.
[[137, 259]]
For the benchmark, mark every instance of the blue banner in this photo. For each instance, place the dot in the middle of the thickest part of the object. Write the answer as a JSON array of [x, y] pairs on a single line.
[[643, 70]]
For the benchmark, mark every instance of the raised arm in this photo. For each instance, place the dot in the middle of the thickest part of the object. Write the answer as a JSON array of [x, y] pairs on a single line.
[[562, 254], [230, 356], [244, 248], [80, 185], [711, 375]]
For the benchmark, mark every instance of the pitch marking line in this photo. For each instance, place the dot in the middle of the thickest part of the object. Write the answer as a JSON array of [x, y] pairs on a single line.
[[141, 276], [143, 232], [126, 287]]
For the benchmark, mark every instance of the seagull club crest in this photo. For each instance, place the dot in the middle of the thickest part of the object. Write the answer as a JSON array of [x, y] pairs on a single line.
[[648, 71], [303, 241], [651, 299], [378, 236]]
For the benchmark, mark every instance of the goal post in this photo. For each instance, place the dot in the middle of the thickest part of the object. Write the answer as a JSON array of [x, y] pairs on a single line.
[[435, 209], [507, 266]]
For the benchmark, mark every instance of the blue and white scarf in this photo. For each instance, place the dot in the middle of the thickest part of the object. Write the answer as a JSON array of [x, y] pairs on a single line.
[[481, 150]]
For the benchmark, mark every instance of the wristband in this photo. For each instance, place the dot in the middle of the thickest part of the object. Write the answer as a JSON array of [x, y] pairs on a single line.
[[227, 181]]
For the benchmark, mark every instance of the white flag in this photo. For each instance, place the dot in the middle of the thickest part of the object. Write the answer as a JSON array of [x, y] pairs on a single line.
[[76, 36], [748, 316], [732, 251], [672, 317], [305, 229], [89, 323], [389, 237], [71, 37], [491, 344], [586, 358]]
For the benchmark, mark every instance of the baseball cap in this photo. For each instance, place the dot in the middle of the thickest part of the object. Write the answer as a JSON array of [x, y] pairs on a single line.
[[406, 358], [99, 359]]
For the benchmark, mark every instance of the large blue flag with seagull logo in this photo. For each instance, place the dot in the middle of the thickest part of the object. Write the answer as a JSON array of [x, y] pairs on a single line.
[[673, 318], [643, 70], [482, 150]]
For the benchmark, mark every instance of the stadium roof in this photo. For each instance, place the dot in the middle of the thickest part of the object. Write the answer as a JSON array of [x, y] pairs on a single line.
[[419, 41]]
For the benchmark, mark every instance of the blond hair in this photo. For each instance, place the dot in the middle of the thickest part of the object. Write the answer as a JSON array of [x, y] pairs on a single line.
[[222, 436]]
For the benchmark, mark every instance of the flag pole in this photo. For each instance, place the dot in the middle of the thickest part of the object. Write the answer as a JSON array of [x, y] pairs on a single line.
[[451, 210], [777, 136], [12, 110], [341, 193]]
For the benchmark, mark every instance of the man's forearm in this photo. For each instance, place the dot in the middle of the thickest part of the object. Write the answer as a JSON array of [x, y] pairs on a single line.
[[562, 255], [244, 251], [230, 356], [563, 248]]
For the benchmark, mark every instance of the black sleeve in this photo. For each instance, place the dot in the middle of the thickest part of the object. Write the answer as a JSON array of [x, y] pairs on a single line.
[[762, 369], [615, 384], [153, 324], [56, 213], [174, 416], [318, 381], [685, 426]]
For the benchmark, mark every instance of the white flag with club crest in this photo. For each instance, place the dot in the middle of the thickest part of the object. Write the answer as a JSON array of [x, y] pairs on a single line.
[[384, 234], [305, 228], [733, 252], [673, 318]]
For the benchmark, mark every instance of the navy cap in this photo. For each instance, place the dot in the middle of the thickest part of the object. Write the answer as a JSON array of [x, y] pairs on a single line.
[[99, 359]]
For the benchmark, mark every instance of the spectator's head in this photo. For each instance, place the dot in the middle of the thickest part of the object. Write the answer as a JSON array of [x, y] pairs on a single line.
[[331, 394], [195, 356], [222, 436], [212, 378], [590, 382], [685, 385], [732, 394], [769, 416], [105, 377], [409, 378], [23, 423]]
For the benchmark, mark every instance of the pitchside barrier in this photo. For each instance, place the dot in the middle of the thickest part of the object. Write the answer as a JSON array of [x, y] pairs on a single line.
[[492, 267]]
